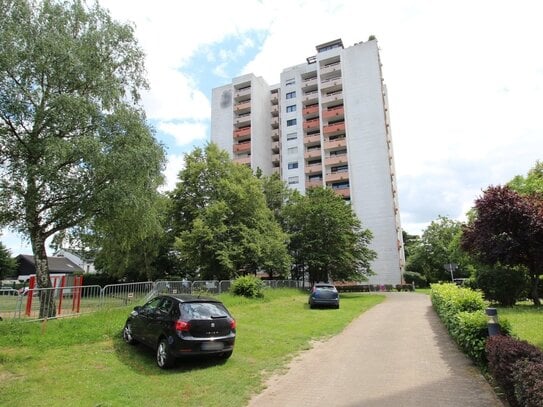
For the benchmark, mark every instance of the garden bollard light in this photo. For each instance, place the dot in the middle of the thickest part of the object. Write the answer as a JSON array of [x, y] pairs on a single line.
[[493, 325]]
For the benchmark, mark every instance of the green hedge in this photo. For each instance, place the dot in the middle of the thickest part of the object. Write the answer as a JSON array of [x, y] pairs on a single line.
[[462, 311]]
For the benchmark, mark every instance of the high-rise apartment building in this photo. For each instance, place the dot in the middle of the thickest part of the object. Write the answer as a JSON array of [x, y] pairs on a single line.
[[325, 124]]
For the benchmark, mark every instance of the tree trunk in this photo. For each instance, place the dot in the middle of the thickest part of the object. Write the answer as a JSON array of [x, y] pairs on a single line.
[[535, 289], [46, 293]]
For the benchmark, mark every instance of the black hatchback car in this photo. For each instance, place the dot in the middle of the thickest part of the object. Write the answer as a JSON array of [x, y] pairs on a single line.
[[182, 325], [323, 294]]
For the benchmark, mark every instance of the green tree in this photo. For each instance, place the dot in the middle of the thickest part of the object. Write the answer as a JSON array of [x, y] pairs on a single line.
[[7, 263], [223, 226], [531, 184], [277, 195], [327, 239], [75, 147], [438, 246]]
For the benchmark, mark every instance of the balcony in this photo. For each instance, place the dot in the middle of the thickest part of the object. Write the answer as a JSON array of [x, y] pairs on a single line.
[[275, 110], [314, 153], [242, 147], [336, 159], [243, 160], [243, 107], [331, 98], [242, 93], [243, 120], [276, 170], [310, 84], [332, 129], [312, 124], [276, 159], [337, 112], [275, 147], [274, 98], [275, 122], [328, 69], [337, 176], [311, 111], [345, 193], [332, 144], [243, 132], [275, 135], [313, 184], [312, 139], [313, 169], [332, 85], [310, 97]]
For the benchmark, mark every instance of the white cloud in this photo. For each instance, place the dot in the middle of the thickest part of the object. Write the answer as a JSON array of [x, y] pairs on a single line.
[[184, 133], [174, 165]]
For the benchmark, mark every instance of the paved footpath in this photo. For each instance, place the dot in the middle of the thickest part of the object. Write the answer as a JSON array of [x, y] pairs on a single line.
[[396, 354]]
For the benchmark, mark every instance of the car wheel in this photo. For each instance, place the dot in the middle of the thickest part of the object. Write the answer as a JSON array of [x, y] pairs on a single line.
[[164, 358], [225, 355], [127, 334]]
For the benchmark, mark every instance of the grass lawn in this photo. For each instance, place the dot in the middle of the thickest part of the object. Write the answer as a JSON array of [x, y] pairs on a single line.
[[83, 361], [526, 322]]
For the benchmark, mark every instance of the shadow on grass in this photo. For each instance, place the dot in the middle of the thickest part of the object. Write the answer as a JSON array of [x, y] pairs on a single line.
[[141, 359]]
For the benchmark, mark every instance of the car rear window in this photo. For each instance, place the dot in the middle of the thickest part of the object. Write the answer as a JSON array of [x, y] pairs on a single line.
[[202, 310], [325, 287]]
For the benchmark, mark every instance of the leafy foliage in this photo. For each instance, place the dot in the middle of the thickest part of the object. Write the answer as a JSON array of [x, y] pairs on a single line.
[[462, 310], [503, 353], [327, 239], [508, 228], [532, 184], [76, 150], [221, 220], [417, 278], [7, 263], [438, 246], [502, 284], [528, 382], [248, 286]]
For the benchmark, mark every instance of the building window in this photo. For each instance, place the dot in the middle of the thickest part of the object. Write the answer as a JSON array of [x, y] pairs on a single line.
[[293, 180], [291, 108], [292, 136], [291, 122], [293, 165], [292, 150], [290, 95], [290, 82]]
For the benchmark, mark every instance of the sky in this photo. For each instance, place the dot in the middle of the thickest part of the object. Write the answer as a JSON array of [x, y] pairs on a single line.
[[464, 79]]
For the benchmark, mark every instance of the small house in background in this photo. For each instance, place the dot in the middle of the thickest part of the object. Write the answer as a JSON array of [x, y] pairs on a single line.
[[58, 268], [80, 258]]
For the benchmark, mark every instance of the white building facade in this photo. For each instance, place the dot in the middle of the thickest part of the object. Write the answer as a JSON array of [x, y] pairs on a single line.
[[325, 124]]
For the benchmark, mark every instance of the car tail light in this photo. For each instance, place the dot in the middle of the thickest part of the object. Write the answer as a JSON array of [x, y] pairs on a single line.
[[232, 324], [183, 326]]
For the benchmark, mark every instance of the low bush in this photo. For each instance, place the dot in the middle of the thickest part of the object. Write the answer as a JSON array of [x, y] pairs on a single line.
[[470, 332], [462, 311], [450, 299], [503, 353], [417, 278], [502, 284], [528, 383], [248, 286], [404, 287]]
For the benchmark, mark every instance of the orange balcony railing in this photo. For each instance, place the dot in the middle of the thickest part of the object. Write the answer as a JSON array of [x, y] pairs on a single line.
[[242, 148], [334, 128], [338, 111], [329, 144], [243, 132]]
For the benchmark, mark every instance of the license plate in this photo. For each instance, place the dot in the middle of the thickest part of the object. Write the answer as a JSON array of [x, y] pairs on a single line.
[[212, 346]]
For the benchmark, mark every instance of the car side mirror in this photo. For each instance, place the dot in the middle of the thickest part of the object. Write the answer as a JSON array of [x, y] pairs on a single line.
[[137, 310]]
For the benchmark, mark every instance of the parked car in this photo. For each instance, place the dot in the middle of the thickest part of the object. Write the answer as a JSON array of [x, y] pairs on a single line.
[[182, 325], [324, 295]]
